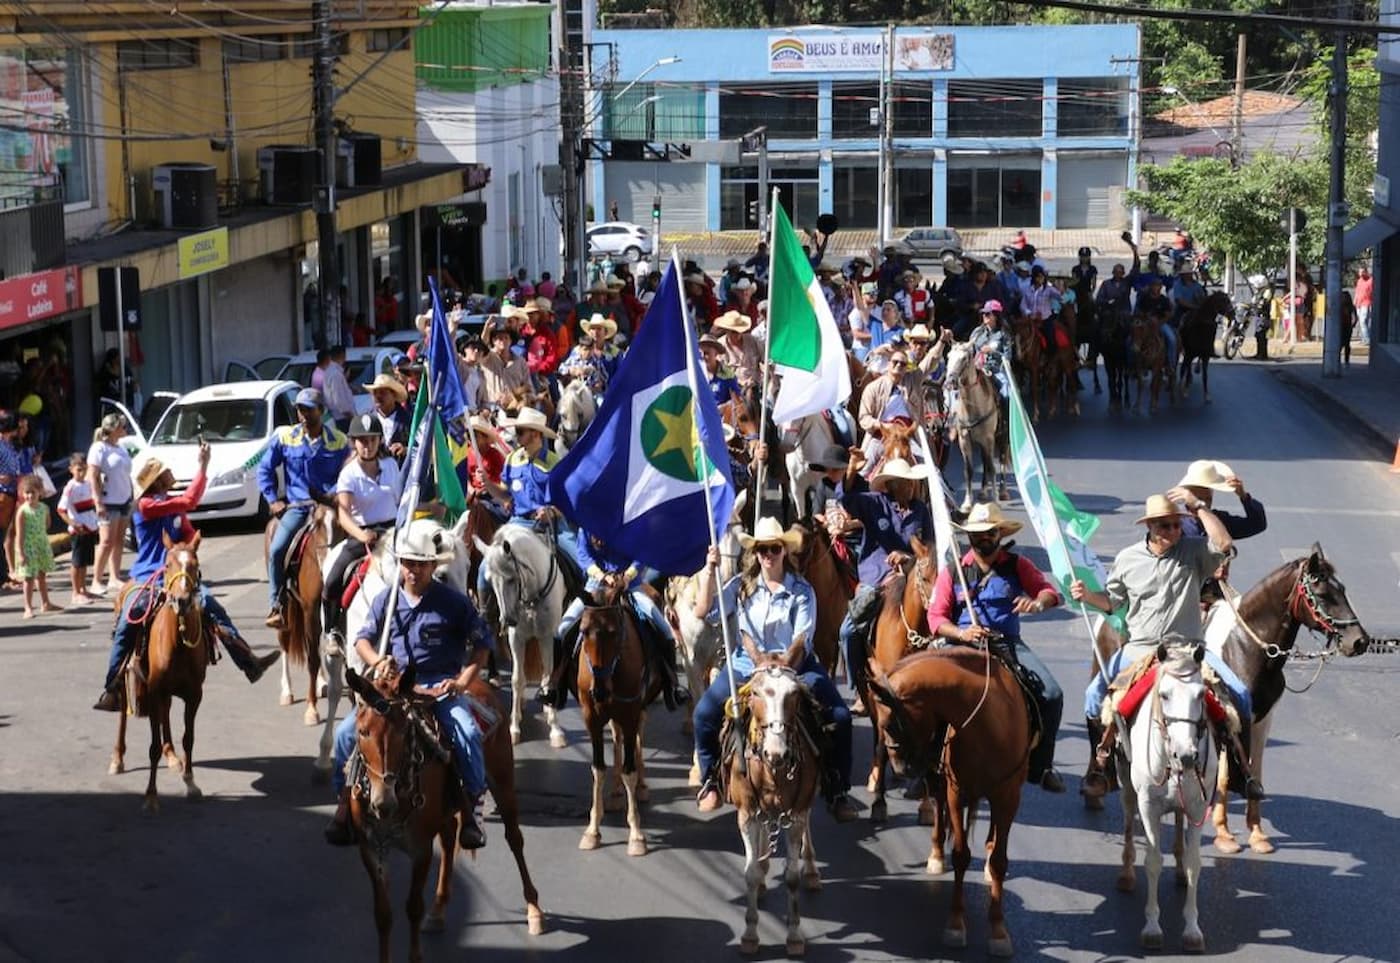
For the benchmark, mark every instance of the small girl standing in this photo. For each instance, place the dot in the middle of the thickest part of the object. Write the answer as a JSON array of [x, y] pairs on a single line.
[[33, 555], [78, 509]]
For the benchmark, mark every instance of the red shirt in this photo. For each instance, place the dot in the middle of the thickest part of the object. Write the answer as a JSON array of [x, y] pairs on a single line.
[[1361, 297], [940, 610], [159, 506]]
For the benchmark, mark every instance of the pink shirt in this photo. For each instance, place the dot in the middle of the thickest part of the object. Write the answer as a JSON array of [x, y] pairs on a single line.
[[1361, 297]]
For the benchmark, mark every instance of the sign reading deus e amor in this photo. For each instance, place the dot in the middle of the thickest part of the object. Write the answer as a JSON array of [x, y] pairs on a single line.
[[864, 53]]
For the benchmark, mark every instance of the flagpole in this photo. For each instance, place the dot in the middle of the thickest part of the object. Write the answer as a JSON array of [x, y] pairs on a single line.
[[767, 369], [956, 560], [703, 471]]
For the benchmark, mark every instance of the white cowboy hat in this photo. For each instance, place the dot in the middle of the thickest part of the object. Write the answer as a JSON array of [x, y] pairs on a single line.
[[389, 383], [951, 264], [608, 325], [423, 320], [1158, 506], [732, 321], [531, 418], [483, 425], [987, 517], [743, 284], [544, 305], [919, 332], [1207, 474], [768, 531], [898, 468], [424, 540]]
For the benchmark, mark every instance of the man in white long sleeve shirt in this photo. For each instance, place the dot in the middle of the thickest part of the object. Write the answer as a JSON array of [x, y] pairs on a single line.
[[335, 389]]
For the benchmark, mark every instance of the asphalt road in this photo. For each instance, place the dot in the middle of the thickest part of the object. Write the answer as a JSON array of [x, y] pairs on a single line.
[[244, 875]]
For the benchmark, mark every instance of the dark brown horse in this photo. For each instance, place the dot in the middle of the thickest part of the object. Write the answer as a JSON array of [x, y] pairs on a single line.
[[1303, 593], [816, 561], [1060, 374], [399, 797], [615, 685], [1197, 334], [172, 663], [1150, 361], [300, 634], [963, 708], [1027, 360]]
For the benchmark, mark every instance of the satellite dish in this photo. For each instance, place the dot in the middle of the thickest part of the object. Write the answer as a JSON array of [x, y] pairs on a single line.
[[827, 224]]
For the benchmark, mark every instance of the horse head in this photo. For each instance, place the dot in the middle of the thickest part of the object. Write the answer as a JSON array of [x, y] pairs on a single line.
[[576, 411], [517, 565], [1320, 602], [960, 364], [601, 630], [181, 570], [383, 734], [1179, 703], [774, 701]]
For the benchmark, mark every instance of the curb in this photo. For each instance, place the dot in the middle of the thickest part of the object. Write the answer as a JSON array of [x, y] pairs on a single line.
[[1375, 436]]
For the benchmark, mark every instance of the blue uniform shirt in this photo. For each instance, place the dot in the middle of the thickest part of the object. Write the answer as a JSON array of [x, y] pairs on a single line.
[[150, 547], [439, 635], [528, 481], [310, 466], [885, 529], [1252, 523], [771, 619]]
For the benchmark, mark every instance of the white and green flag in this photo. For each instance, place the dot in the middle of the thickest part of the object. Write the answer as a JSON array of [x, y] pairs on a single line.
[[803, 341]]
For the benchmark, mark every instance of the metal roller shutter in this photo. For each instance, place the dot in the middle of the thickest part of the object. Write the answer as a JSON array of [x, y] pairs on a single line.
[[633, 184], [1088, 185]]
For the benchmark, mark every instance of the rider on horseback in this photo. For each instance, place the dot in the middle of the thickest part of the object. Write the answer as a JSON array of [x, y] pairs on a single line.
[[1159, 581], [1202, 480], [310, 454], [158, 513], [437, 630], [1004, 587]]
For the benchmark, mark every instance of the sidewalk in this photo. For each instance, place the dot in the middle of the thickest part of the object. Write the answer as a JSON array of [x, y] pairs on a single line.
[[1365, 394]]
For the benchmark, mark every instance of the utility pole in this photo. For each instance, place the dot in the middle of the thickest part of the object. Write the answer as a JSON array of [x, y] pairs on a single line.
[[881, 229], [323, 94], [570, 160], [763, 212], [887, 198], [1236, 148], [1336, 207]]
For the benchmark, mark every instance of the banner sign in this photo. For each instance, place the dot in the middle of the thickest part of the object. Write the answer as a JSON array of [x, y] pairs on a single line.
[[44, 294], [203, 252], [836, 53]]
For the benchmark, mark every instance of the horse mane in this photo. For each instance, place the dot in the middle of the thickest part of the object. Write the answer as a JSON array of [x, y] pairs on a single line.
[[1260, 593]]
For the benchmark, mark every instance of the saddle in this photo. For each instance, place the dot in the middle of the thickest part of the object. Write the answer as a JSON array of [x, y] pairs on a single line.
[[355, 579], [296, 551], [1130, 689]]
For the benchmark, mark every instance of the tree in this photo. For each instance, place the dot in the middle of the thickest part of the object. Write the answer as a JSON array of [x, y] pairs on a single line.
[[1363, 118]]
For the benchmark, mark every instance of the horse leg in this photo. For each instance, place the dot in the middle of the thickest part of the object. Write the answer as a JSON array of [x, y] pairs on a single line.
[[631, 777], [167, 747], [1003, 812], [965, 446], [286, 698], [311, 631], [1127, 874], [592, 836], [517, 684], [422, 860], [1258, 739], [875, 785], [500, 774], [334, 661], [442, 893], [1151, 936], [811, 876], [751, 830], [187, 743], [118, 762], [614, 792], [938, 824], [1205, 378], [955, 930], [158, 708], [796, 945], [383, 909], [643, 791], [1178, 847], [557, 739], [1192, 939]]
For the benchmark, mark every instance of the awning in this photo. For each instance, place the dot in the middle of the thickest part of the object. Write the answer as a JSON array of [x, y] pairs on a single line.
[[1367, 234]]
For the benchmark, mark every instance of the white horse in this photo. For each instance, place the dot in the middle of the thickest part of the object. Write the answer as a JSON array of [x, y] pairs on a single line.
[[576, 409], [976, 415], [1167, 756], [522, 572], [335, 657], [810, 437]]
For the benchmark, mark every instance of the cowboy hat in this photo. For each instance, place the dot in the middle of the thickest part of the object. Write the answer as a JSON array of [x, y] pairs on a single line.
[[151, 469], [544, 305], [951, 264], [768, 531], [599, 286], [1207, 474], [483, 425], [694, 277], [389, 383], [423, 320], [608, 325], [743, 284], [898, 468], [827, 267], [987, 517], [1158, 506], [732, 321], [531, 418], [424, 540], [919, 332], [710, 341], [614, 282], [832, 457]]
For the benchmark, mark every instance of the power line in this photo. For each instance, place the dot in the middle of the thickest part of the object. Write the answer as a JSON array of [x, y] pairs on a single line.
[[1240, 17]]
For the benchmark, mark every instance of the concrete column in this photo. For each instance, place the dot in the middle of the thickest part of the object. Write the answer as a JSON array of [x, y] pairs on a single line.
[[1049, 181]]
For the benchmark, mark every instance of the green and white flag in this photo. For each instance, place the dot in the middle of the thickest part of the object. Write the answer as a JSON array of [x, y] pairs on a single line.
[[803, 341]]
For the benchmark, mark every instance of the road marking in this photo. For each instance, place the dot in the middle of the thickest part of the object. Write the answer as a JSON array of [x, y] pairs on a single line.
[[1345, 512]]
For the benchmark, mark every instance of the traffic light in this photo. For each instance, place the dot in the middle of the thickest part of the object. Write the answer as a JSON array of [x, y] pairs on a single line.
[[656, 207], [753, 212]]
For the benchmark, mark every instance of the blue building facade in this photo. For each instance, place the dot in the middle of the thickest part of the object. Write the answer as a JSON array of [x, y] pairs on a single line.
[[1011, 126]]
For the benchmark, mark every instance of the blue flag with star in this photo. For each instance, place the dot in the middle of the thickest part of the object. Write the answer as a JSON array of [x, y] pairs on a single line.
[[449, 398], [634, 479]]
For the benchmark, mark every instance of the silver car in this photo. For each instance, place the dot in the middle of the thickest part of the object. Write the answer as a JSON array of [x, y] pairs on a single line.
[[929, 242], [631, 241]]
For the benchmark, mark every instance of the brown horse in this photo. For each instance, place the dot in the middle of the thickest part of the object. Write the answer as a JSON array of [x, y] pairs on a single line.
[[615, 685], [1027, 361], [772, 781], [1198, 330], [399, 796], [963, 709], [300, 634], [1061, 371], [173, 663], [816, 562], [1150, 359], [481, 525]]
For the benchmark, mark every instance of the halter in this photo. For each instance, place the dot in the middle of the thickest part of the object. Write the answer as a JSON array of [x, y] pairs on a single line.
[[383, 832], [793, 755], [917, 640], [183, 605], [1305, 597], [602, 674], [1160, 722], [531, 605]]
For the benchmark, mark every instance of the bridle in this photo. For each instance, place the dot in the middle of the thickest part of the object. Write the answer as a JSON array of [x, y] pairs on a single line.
[[407, 774], [520, 569], [792, 748], [606, 672], [1160, 722], [184, 603]]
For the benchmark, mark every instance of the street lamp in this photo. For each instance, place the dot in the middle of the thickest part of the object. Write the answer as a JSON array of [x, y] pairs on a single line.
[[616, 122], [663, 62]]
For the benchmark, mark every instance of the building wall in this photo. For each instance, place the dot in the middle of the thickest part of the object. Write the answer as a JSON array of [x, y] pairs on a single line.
[[250, 305]]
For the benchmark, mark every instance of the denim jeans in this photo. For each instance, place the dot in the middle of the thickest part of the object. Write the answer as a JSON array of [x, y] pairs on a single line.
[[287, 526], [132, 623], [854, 648], [1169, 339], [646, 608], [1098, 688]]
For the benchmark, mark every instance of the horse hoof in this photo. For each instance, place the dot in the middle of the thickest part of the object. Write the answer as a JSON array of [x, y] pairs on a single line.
[[935, 866], [1193, 942], [515, 737], [115, 767], [1151, 939], [590, 841], [1226, 844], [150, 805], [285, 700], [879, 812], [311, 717], [796, 947], [1260, 845], [749, 945], [1127, 882], [193, 792], [812, 882], [1000, 947], [557, 739], [636, 847], [535, 922], [432, 923], [954, 939]]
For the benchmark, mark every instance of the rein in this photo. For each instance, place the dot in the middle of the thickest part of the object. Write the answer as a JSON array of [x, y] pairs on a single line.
[[182, 605], [549, 581]]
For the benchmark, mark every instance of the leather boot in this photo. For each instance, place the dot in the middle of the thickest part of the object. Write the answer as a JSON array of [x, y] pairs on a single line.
[[253, 665], [338, 831], [471, 835], [1239, 761], [553, 691], [1095, 784]]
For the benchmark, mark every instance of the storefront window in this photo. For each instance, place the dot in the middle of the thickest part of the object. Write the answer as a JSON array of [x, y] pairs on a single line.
[[913, 196], [42, 110], [995, 108], [787, 110], [994, 191], [1094, 107], [797, 191]]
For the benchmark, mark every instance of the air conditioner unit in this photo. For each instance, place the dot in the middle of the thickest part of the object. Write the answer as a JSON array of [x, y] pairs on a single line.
[[358, 161], [288, 173], [186, 195]]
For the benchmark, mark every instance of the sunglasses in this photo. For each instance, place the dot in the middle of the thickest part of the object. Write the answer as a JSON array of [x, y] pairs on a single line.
[[768, 549], [1165, 526]]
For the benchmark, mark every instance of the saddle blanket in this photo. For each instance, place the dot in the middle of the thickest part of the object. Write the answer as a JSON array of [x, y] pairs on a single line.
[[1129, 700]]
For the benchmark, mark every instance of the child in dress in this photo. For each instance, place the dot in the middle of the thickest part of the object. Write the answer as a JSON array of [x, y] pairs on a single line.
[[33, 555], [78, 509]]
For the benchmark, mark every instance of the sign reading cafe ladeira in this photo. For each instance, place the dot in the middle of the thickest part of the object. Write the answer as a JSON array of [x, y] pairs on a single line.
[[864, 53]]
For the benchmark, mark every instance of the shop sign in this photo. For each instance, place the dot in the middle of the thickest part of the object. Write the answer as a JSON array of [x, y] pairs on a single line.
[[203, 252], [475, 177], [789, 54], [33, 297], [461, 215]]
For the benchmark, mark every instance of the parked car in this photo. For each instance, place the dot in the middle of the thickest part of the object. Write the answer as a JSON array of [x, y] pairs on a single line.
[[403, 340], [619, 237], [237, 419], [361, 365], [930, 242]]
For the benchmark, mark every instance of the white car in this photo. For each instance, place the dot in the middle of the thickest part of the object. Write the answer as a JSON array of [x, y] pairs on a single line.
[[238, 420], [361, 366], [619, 237]]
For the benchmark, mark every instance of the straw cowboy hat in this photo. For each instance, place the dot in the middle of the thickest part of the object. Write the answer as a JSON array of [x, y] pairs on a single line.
[[484, 426], [151, 469], [424, 540], [1207, 474], [598, 287], [710, 341], [769, 532], [898, 468], [987, 517], [1158, 506], [389, 383], [422, 321], [531, 418], [544, 305], [919, 332], [614, 282], [608, 325], [732, 321]]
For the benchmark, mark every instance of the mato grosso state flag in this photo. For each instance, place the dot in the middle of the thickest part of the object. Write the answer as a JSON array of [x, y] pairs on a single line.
[[635, 477], [803, 341]]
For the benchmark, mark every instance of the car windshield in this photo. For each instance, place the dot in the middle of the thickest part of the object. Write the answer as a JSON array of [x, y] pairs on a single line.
[[234, 419], [358, 373]]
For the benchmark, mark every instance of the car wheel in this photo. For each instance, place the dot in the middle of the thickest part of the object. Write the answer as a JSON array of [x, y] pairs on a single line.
[[633, 254], [263, 513]]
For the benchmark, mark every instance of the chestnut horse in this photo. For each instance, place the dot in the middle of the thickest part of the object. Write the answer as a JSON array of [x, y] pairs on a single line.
[[772, 781], [399, 797], [1150, 360], [172, 663], [615, 685], [816, 561], [1027, 360], [300, 634], [964, 709]]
